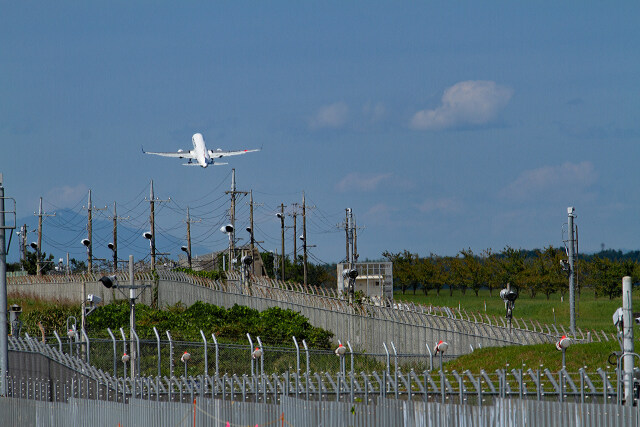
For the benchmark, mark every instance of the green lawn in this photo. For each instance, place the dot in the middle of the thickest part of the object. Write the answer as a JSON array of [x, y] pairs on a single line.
[[591, 313]]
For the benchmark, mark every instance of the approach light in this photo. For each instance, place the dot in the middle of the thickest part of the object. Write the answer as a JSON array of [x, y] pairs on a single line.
[[34, 245], [563, 343], [184, 248], [341, 350], [111, 246], [147, 235], [257, 353], [248, 229], [185, 357], [85, 242], [442, 346]]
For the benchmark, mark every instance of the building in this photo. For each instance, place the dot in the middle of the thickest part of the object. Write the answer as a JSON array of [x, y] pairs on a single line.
[[375, 279]]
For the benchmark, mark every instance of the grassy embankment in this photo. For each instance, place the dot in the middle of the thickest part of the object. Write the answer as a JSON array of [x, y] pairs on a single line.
[[592, 314]]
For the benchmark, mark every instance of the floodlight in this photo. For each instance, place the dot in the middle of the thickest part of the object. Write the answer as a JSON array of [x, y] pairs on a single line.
[[94, 299], [248, 229], [85, 242], [34, 245], [109, 281], [279, 215], [184, 248], [227, 228], [147, 235], [247, 260], [302, 237], [111, 246], [617, 318]]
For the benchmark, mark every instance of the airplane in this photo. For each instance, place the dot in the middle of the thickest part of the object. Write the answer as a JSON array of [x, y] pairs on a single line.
[[200, 154]]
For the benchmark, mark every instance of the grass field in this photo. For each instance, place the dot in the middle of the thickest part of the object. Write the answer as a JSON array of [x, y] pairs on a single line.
[[591, 313]]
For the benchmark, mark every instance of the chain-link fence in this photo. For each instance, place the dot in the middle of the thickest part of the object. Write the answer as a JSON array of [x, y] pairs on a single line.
[[167, 357]]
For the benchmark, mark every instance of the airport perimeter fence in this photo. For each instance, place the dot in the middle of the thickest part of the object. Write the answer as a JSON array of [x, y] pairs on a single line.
[[291, 412], [368, 325], [504, 397], [165, 356], [33, 377]]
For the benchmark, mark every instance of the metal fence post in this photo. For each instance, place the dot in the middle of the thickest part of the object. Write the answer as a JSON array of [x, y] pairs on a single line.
[[206, 358], [59, 341], [250, 351], [295, 341], [261, 356], [115, 353], [351, 352], [386, 350], [306, 350], [170, 354], [215, 343], [430, 357], [124, 344], [137, 361], [86, 338], [155, 331]]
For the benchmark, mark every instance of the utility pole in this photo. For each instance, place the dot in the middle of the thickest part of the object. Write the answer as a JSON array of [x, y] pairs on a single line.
[[114, 245], [572, 273], [152, 224], [40, 214], [295, 236], [232, 217], [253, 258], [188, 237], [282, 238], [304, 238], [89, 237], [23, 243], [115, 238], [188, 251], [4, 342]]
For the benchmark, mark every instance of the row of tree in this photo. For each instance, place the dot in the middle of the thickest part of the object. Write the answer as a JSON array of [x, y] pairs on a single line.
[[532, 272]]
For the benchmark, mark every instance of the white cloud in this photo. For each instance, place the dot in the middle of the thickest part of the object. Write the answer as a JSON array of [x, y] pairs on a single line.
[[444, 205], [361, 182], [469, 103], [566, 181], [330, 116], [65, 195], [380, 214], [374, 112]]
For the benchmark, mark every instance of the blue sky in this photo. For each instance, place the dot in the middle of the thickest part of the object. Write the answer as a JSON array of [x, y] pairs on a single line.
[[443, 126]]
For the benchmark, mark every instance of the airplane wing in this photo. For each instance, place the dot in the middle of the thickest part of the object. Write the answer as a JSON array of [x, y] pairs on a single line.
[[216, 154], [178, 154]]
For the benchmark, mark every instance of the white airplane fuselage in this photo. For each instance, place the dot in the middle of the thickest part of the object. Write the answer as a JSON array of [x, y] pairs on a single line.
[[200, 149]]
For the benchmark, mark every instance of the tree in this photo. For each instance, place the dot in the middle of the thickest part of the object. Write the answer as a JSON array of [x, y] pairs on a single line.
[[30, 263], [472, 272], [493, 270], [426, 272], [512, 266], [607, 275]]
